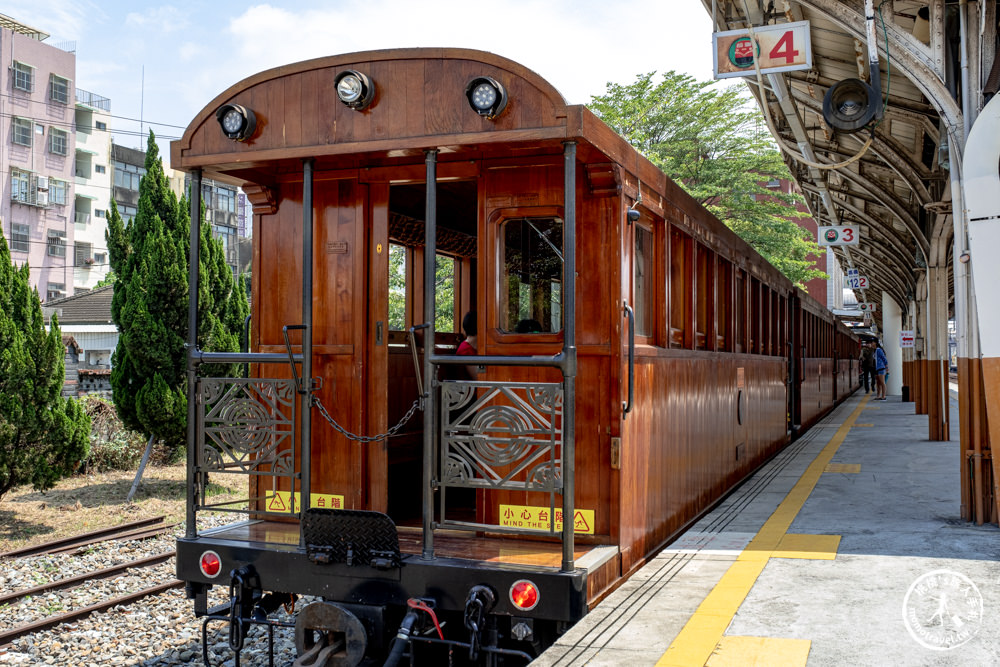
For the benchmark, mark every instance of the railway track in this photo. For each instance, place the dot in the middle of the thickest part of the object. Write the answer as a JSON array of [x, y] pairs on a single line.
[[135, 530]]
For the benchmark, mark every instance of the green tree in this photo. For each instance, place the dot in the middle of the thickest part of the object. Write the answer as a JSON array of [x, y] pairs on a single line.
[[43, 436], [706, 138], [150, 306]]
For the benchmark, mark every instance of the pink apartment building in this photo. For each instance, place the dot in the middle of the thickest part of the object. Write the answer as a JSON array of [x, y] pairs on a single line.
[[37, 155]]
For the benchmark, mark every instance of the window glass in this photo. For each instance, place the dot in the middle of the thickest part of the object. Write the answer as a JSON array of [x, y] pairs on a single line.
[[22, 131], [100, 169], [57, 141], [19, 190], [58, 191], [59, 89], [84, 253], [397, 287], [20, 238], [55, 291], [680, 288], [100, 125], [444, 293], [24, 76], [642, 277], [57, 243], [531, 272]]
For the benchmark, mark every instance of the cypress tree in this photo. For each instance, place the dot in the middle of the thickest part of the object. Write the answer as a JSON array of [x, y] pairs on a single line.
[[43, 436], [150, 306]]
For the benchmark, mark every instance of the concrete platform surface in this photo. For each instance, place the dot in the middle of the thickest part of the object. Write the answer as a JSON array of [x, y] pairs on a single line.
[[845, 549]]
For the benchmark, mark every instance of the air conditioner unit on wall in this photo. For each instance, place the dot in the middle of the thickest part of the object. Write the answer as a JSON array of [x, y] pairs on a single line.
[[42, 198], [43, 183]]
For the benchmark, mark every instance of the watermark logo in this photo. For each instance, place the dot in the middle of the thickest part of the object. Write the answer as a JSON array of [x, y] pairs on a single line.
[[942, 610]]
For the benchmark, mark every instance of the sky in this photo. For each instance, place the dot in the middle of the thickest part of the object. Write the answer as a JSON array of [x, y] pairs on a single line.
[[162, 63]]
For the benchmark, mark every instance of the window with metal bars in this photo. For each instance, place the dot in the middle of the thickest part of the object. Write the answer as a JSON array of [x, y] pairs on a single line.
[[20, 237], [22, 131], [57, 243], [58, 89], [24, 77], [58, 191], [58, 141]]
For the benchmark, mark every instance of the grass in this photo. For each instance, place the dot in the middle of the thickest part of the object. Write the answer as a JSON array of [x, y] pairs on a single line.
[[88, 502]]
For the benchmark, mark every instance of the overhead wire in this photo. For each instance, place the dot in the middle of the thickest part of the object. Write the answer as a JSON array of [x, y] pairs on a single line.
[[770, 122]]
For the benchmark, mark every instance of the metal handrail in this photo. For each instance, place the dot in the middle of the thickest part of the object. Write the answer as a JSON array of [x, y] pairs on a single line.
[[627, 407]]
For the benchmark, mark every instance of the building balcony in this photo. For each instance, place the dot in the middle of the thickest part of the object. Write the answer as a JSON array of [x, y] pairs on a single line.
[[91, 100]]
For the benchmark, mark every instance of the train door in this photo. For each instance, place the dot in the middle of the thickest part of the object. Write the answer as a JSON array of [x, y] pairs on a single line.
[[395, 305]]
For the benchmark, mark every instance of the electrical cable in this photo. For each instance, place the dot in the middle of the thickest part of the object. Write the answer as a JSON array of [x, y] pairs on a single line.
[[770, 122]]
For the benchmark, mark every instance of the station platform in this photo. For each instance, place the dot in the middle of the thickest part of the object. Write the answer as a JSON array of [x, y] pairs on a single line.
[[845, 549]]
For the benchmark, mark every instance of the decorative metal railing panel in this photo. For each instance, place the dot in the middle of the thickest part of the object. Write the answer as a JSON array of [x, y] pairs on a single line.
[[501, 435], [247, 427]]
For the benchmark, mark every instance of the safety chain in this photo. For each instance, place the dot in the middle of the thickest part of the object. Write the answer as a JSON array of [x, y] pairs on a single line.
[[366, 438]]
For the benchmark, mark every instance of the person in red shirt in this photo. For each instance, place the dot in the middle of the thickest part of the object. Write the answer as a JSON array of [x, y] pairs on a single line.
[[468, 346]]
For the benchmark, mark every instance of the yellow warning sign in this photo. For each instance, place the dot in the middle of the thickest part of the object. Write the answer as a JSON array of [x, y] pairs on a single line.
[[537, 518], [281, 501]]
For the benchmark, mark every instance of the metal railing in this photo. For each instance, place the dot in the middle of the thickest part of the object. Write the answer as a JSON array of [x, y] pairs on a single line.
[[92, 100], [501, 436]]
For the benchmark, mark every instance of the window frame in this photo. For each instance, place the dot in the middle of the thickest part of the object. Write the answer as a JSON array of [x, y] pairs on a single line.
[[500, 219], [66, 84], [20, 237], [645, 306], [58, 191], [19, 191], [26, 127], [55, 243], [27, 74], [56, 134]]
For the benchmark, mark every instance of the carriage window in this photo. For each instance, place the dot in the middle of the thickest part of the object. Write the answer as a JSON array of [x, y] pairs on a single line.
[[725, 306], [680, 288], [397, 287], [705, 301], [642, 276], [531, 275], [444, 294], [740, 321]]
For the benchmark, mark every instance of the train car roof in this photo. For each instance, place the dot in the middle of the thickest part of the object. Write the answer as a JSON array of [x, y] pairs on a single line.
[[420, 103]]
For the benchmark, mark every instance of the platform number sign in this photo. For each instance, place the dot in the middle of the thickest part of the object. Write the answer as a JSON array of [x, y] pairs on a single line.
[[844, 235], [780, 48], [867, 307], [857, 282]]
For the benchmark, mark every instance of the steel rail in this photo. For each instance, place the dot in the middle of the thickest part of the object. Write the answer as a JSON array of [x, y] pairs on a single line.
[[82, 539], [103, 573], [139, 534], [6, 638]]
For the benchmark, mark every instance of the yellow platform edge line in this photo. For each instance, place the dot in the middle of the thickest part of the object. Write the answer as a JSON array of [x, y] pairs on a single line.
[[760, 652], [700, 636], [843, 467]]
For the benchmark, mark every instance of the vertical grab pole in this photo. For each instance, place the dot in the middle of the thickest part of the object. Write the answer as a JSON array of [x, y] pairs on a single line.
[[305, 440], [430, 410], [194, 257], [569, 353]]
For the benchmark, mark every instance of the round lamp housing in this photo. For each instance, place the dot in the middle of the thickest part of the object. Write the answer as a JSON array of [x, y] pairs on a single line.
[[851, 104], [354, 89], [487, 96], [237, 122]]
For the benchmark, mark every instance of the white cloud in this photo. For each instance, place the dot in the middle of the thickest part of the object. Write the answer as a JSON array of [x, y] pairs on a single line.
[[164, 19]]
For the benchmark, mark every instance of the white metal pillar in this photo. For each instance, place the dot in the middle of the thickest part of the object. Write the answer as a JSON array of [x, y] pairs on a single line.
[[892, 321]]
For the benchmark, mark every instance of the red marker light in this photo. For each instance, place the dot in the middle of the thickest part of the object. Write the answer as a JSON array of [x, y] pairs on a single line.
[[524, 595], [211, 564]]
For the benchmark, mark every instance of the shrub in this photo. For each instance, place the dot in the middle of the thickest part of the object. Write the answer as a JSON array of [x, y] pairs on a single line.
[[112, 446]]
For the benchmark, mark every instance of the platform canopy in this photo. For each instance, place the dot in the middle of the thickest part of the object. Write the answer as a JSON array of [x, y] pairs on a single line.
[[899, 190]]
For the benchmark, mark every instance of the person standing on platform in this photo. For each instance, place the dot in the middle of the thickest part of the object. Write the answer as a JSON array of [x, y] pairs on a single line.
[[881, 368], [867, 362]]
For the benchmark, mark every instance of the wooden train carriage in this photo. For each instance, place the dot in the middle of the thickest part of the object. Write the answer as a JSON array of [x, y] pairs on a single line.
[[646, 383]]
